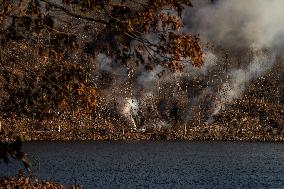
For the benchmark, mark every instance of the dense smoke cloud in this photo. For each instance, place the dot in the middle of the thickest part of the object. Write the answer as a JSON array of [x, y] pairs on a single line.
[[255, 28], [256, 23]]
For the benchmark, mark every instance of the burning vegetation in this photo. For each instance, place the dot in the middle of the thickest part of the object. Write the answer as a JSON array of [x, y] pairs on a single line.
[[96, 70], [132, 70]]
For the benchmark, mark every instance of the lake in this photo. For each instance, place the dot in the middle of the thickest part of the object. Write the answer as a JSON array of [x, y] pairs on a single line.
[[157, 164]]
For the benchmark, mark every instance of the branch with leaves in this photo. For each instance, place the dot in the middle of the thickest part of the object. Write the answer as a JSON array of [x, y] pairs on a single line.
[[127, 20], [47, 48], [13, 149]]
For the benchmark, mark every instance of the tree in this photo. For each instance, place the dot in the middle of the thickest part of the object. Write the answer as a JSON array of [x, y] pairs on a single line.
[[46, 48], [13, 150], [130, 20]]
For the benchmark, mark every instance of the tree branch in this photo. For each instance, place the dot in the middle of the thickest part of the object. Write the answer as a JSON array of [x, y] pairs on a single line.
[[67, 11]]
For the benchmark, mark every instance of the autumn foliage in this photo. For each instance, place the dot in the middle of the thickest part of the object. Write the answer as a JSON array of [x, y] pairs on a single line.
[[47, 49], [25, 182]]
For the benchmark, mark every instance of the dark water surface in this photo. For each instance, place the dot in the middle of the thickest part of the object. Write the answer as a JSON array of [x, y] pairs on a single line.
[[158, 164]]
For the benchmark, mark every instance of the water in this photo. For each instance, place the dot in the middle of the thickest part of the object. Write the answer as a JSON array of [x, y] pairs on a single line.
[[158, 164]]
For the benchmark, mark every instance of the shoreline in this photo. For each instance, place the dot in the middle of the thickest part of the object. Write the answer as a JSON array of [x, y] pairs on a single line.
[[153, 136]]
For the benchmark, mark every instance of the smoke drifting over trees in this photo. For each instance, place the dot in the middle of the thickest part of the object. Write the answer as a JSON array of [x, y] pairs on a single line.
[[149, 76], [239, 25]]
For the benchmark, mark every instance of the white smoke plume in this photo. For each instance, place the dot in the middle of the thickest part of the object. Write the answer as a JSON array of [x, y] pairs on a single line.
[[103, 62], [239, 79], [247, 24], [147, 79], [257, 23], [130, 109], [210, 59]]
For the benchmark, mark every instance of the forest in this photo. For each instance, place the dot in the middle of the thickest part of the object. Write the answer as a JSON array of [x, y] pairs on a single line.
[[125, 69], [138, 70]]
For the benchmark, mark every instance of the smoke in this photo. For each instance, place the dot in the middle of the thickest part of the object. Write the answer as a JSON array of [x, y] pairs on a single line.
[[255, 25], [240, 78], [103, 62], [210, 60], [130, 109], [147, 79], [239, 23]]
